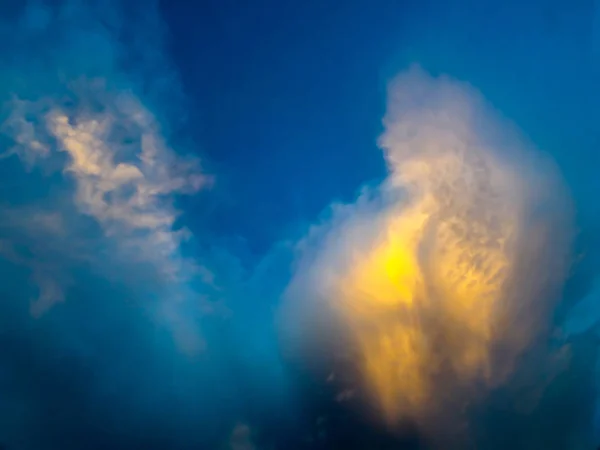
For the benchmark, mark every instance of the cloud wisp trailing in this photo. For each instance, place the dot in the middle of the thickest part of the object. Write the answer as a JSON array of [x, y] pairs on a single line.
[[89, 120], [93, 165], [438, 281]]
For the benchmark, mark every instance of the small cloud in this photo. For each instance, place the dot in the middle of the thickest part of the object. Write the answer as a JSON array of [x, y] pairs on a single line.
[[241, 438], [51, 293]]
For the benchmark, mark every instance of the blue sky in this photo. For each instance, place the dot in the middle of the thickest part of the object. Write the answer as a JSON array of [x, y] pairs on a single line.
[[515, 53], [167, 176]]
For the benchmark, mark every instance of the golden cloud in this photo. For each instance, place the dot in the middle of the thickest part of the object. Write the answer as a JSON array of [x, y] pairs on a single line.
[[443, 288]]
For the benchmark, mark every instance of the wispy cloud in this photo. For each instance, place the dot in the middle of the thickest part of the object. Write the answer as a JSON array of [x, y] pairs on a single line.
[[91, 129], [241, 438], [89, 120]]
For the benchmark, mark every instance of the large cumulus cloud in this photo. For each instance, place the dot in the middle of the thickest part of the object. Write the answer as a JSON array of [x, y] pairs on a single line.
[[436, 283]]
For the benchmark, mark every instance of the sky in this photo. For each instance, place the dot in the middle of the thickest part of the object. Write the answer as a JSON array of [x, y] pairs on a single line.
[[210, 211]]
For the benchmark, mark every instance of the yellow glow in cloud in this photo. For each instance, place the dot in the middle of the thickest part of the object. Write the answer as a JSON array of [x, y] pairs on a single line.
[[427, 288], [433, 256]]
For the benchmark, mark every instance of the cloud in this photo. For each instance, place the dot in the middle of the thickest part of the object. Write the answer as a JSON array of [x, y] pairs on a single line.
[[436, 283], [89, 120], [103, 290], [241, 438]]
